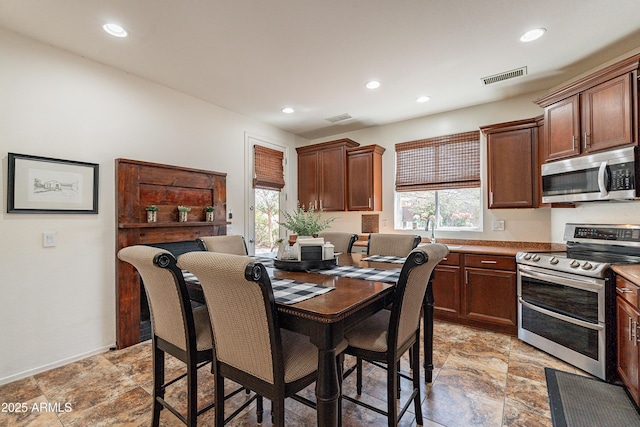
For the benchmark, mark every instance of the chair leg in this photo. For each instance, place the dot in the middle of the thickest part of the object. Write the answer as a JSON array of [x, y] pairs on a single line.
[[340, 379], [219, 399], [416, 380], [259, 409], [158, 381], [392, 403], [192, 394], [358, 376], [277, 406], [398, 375]]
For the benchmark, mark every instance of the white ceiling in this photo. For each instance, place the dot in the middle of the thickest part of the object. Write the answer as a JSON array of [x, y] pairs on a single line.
[[255, 57]]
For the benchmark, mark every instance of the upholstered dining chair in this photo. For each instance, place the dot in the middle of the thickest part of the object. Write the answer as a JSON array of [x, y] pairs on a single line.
[[177, 329], [231, 244], [342, 242], [249, 347], [392, 244], [388, 334]]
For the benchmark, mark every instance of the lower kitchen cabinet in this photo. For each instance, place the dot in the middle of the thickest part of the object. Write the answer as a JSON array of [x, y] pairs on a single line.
[[479, 291], [627, 334]]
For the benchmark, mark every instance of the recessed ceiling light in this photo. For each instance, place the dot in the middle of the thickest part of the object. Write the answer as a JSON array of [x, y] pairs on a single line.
[[532, 35], [373, 84], [115, 30], [423, 98], [288, 110]]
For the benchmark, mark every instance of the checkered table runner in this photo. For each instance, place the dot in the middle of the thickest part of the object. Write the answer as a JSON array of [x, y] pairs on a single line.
[[383, 258], [377, 274], [285, 291]]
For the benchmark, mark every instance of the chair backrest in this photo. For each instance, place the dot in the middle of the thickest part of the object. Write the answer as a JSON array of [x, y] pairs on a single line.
[[410, 291], [392, 244], [242, 312], [171, 313], [232, 244], [178, 248], [342, 242]]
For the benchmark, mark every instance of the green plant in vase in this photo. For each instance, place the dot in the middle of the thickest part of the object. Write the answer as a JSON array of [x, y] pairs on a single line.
[[208, 212], [152, 213], [305, 223], [183, 212]]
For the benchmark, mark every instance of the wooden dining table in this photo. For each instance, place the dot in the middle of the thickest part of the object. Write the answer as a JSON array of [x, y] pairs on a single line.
[[327, 317]]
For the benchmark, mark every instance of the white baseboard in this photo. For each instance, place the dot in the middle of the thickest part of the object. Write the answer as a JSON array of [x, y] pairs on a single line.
[[53, 365]]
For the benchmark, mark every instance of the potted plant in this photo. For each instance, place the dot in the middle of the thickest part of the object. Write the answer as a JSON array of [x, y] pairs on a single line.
[[305, 223], [152, 213], [208, 212], [183, 212]]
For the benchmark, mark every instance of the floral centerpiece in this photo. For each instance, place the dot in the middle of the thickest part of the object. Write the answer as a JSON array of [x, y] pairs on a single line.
[[305, 223]]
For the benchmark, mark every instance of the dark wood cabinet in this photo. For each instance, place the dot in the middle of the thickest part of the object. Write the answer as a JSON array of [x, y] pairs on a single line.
[[513, 164], [364, 166], [322, 175], [597, 112], [628, 315], [479, 291]]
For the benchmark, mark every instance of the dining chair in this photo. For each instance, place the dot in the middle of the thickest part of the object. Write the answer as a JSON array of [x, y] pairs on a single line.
[[177, 329], [342, 242], [249, 346], [231, 244], [383, 338], [392, 244]]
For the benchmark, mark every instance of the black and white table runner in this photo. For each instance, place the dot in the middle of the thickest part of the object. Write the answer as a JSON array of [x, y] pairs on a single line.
[[376, 274], [384, 258]]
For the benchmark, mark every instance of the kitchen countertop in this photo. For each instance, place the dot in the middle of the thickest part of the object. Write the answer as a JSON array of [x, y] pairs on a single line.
[[629, 272], [488, 247]]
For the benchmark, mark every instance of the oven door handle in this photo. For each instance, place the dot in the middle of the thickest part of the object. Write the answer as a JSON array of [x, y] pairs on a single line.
[[595, 326], [575, 282]]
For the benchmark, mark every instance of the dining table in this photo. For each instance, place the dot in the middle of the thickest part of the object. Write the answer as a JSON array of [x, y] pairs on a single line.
[[325, 318]]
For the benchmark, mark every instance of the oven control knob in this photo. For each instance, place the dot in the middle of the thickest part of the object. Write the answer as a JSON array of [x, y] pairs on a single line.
[[535, 258], [587, 266], [553, 260], [527, 256], [574, 264]]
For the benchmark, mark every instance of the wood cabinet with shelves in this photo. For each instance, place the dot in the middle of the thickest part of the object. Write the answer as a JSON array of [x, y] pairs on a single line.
[[597, 112], [322, 175], [513, 164], [364, 166], [479, 291], [628, 315]]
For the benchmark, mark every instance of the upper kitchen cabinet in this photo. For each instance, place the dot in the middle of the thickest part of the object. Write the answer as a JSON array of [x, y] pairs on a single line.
[[322, 175], [597, 112], [364, 166], [512, 163]]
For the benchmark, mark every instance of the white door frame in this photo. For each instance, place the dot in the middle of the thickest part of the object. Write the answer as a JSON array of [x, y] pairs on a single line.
[[249, 220]]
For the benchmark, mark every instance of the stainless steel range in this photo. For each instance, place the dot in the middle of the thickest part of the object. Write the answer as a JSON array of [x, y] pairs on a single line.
[[566, 300]]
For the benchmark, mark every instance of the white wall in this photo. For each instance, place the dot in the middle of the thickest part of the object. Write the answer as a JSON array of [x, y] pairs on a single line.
[[530, 225], [58, 304]]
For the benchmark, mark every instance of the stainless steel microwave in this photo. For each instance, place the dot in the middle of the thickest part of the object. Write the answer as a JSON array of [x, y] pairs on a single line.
[[609, 175]]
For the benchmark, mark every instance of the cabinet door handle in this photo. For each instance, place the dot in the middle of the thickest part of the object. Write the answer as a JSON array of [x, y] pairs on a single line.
[[635, 333], [370, 205], [574, 142], [320, 204], [585, 140], [624, 290], [491, 198], [630, 320], [466, 277], [488, 262]]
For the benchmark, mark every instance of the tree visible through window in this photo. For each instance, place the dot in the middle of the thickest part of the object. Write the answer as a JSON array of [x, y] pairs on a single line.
[[267, 203]]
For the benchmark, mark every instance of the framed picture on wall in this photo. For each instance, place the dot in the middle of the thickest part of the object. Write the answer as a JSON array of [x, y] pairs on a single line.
[[45, 185]]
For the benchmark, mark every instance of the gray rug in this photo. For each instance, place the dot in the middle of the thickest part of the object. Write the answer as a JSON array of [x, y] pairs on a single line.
[[578, 401]]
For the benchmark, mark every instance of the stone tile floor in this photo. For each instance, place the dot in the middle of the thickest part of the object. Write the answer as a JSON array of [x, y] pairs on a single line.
[[481, 379]]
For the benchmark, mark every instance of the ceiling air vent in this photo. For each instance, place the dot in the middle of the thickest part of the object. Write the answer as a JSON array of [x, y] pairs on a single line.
[[339, 118], [505, 76]]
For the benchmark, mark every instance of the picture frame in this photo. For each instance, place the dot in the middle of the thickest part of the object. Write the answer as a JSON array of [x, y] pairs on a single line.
[[47, 185]]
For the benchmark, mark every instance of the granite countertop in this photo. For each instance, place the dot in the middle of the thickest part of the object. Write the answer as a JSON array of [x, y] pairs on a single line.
[[488, 247], [629, 272]]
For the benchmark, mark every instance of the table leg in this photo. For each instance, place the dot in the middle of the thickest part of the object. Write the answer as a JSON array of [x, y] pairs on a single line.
[[327, 388], [428, 333]]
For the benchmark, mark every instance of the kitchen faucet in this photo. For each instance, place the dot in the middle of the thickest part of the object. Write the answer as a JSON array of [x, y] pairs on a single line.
[[432, 239]]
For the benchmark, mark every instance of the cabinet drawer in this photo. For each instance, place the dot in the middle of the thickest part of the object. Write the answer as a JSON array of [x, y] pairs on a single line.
[[451, 259], [490, 261], [627, 291]]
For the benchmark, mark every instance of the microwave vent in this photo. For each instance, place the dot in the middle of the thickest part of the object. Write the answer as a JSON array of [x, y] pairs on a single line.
[[518, 72]]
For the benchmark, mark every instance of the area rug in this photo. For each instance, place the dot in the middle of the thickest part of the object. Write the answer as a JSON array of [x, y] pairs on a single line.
[[578, 401]]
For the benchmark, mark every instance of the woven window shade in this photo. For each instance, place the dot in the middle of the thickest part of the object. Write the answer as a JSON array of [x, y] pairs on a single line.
[[444, 162], [268, 170]]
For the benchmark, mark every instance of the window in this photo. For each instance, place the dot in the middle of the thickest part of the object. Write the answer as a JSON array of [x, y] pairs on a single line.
[[268, 181], [439, 179]]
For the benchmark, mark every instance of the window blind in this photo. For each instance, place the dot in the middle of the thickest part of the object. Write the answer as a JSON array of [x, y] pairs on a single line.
[[444, 162], [268, 170]]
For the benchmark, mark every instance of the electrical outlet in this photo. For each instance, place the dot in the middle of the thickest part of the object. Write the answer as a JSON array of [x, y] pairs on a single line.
[[49, 239], [498, 225]]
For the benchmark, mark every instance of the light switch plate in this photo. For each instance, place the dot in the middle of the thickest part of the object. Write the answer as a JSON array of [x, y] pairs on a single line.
[[49, 239], [498, 225]]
